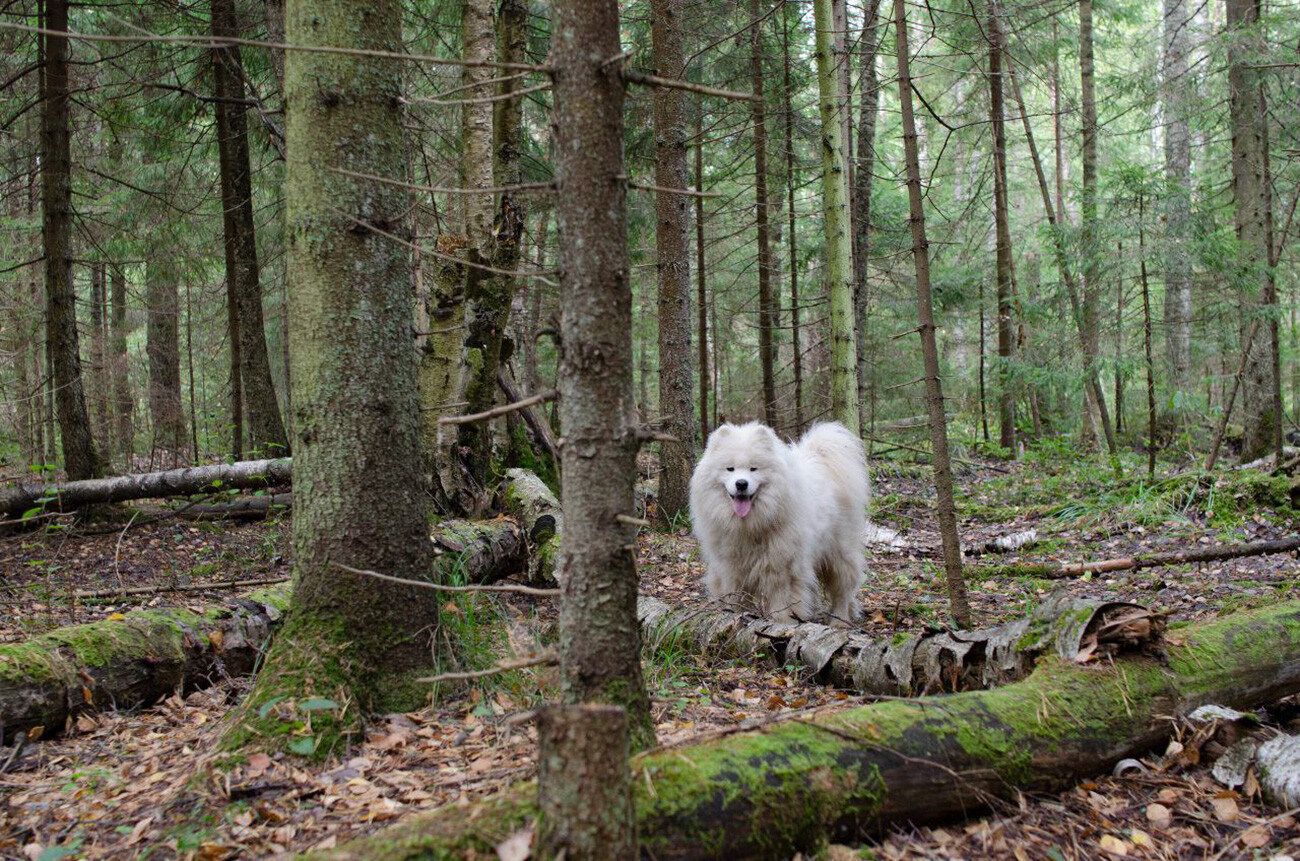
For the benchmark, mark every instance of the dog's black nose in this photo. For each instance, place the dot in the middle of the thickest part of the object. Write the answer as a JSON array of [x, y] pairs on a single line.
[[742, 484]]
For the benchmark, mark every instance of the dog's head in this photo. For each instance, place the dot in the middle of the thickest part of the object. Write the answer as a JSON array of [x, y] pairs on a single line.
[[741, 459]]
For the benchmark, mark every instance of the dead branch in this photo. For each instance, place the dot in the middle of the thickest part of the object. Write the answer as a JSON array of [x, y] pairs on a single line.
[[545, 659], [1051, 571], [439, 587], [497, 412]]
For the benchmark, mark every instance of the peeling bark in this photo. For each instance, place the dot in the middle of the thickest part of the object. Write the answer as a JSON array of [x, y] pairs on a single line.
[[527, 498]]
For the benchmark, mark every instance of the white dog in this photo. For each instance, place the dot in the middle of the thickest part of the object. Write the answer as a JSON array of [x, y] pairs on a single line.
[[775, 519]]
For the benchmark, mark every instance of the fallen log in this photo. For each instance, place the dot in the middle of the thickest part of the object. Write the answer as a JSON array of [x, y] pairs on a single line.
[[1056, 571], [134, 659], [131, 659], [908, 664], [244, 475], [243, 508], [788, 787], [527, 498]]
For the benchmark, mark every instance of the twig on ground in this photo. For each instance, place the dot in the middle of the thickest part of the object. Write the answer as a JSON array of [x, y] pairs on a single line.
[[424, 584], [544, 659]]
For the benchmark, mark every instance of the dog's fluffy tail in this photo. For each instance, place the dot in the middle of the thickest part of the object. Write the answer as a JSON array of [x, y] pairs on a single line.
[[842, 454]]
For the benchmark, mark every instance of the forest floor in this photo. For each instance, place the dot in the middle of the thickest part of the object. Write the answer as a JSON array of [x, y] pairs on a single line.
[[122, 785]]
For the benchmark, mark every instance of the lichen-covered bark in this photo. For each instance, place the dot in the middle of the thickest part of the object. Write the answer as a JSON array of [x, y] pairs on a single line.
[[839, 238], [866, 156], [265, 428], [1001, 217], [80, 459], [358, 497], [676, 401], [789, 787], [599, 637], [440, 373], [132, 660]]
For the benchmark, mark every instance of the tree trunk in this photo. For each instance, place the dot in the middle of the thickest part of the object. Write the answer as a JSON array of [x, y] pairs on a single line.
[[123, 399], [1091, 300], [787, 94], [866, 165], [946, 511], [701, 297], [102, 430], [1249, 208], [349, 638], [767, 310], [1146, 341], [249, 474], [441, 372], [1056, 223], [1178, 199], [676, 402], [1002, 229], [162, 300], [772, 791], [599, 638], [839, 237], [265, 427], [584, 784], [80, 458], [493, 231]]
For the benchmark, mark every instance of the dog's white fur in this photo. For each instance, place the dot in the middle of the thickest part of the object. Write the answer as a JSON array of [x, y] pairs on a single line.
[[804, 526]]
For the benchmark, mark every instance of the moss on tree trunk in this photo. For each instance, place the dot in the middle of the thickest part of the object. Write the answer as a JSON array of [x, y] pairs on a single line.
[[355, 643]]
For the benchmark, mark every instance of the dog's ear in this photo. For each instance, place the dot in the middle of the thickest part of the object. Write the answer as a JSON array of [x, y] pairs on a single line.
[[722, 430]]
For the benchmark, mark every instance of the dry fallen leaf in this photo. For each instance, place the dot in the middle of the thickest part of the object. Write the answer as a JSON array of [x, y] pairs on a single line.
[[1141, 838], [1158, 815], [1225, 809], [1113, 845], [1256, 837], [517, 846]]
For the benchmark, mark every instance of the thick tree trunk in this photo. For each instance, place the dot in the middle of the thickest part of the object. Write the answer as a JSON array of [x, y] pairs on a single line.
[[839, 225], [80, 458], [349, 638], [245, 475], [584, 787], [441, 372], [266, 433], [946, 511], [599, 638], [866, 165], [676, 404], [1175, 90], [1002, 229], [789, 787], [767, 309], [1249, 215]]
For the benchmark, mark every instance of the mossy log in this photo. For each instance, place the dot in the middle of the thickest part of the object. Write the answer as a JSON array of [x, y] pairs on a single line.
[[131, 659], [242, 508], [909, 664], [526, 497], [1057, 571], [244, 475], [788, 787]]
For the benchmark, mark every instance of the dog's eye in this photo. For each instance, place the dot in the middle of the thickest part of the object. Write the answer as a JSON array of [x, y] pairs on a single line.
[[731, 469]]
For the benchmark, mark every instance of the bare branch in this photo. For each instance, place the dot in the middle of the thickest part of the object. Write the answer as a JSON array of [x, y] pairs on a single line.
[[545, 659], [496, 412], [439, 587], [655, 81]]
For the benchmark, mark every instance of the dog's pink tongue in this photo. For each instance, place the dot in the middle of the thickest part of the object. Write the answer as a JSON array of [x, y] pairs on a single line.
[[740, 505]]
